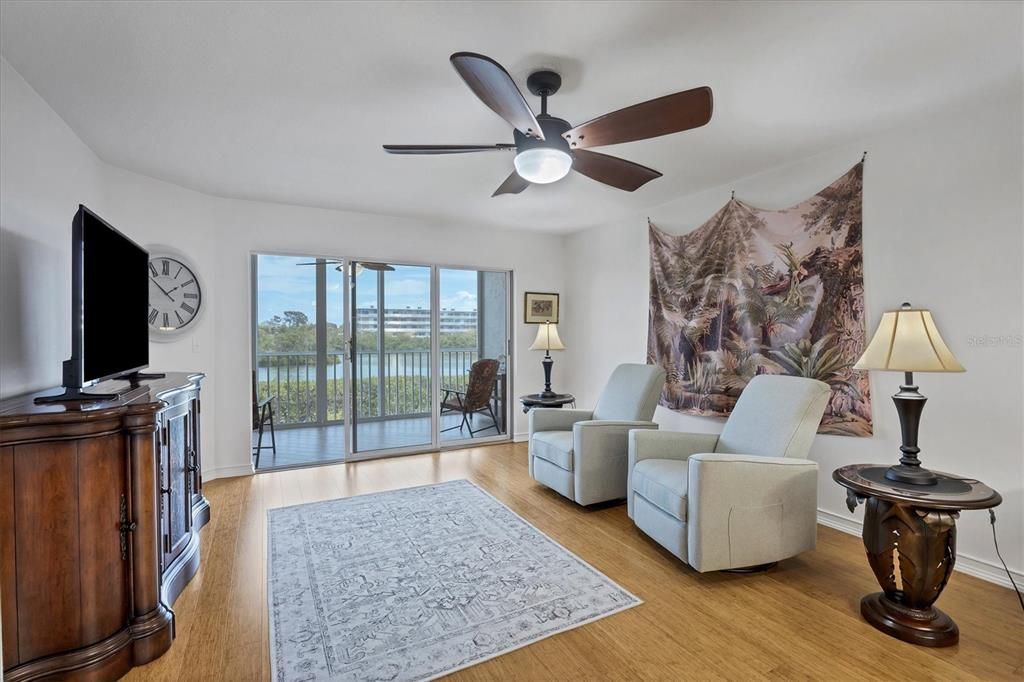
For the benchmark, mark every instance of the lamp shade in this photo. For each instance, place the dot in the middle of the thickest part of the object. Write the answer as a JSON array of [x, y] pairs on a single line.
[[907, 340], [547, 338]]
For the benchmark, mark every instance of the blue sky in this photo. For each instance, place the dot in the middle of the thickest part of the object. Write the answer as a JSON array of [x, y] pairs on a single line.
[[284, 285]]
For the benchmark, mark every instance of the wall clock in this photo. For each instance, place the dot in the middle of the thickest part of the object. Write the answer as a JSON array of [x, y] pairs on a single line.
[[175, 295]]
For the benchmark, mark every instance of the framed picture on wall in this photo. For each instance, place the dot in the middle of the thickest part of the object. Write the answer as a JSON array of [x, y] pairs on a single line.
[[540, 308]]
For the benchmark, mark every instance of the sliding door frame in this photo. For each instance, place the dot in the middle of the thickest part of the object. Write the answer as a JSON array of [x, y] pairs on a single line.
[[349, 307], [352, 424], [321, 345], [460, 443]]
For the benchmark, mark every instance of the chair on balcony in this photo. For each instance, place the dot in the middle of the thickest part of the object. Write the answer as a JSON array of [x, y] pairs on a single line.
[[262, 414], [475, 399]]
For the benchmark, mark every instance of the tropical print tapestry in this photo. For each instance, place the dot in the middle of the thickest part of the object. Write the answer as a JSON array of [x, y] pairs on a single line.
[[755, 291]]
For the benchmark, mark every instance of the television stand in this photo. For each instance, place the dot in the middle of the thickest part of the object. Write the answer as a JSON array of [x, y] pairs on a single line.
[[74, 394], [135, 377]]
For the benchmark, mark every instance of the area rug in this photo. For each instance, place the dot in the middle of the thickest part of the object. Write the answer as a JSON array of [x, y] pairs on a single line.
[[414, 584]]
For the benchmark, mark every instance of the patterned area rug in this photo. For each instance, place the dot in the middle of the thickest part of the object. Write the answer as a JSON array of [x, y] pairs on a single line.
[[417, 583]]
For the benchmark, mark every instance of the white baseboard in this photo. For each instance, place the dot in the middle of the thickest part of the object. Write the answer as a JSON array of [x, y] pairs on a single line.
[[227, 472], [521, 437], [978, 568]]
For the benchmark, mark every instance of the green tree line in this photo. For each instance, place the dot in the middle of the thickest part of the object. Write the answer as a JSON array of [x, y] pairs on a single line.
[[293, 333]]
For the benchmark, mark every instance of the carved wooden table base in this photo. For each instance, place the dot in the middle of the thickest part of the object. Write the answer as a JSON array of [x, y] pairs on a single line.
[[910, 540]]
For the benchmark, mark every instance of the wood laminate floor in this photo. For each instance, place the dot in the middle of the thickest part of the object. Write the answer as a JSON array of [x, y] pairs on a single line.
[[799, 621], [302, 445]]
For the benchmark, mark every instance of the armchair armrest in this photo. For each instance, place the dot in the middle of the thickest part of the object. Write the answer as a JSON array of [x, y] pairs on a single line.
[[745, 510], [587, 431], [668, 445], [554, 419], [600, 450]]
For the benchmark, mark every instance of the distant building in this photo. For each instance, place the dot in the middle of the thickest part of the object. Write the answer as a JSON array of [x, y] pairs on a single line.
[[416, 321]]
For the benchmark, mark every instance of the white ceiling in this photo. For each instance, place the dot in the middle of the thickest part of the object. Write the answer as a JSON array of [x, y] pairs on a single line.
[[290, 101]]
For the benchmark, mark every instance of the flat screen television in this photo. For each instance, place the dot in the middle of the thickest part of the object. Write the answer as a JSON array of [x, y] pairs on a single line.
[[109, 307]]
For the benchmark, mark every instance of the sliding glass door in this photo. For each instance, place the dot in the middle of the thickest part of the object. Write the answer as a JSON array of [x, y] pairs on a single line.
[[365, 359], [298, 350], [393, 332], [474, 344]]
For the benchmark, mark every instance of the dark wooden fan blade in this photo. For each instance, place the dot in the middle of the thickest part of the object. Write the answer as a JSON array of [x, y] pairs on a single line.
[[513, 185], [611, 170], [491, 83], [446, 148], [662, 116]]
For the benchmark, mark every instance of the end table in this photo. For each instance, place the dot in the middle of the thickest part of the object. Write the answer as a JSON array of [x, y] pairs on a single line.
[[541, 400], [911, 528]]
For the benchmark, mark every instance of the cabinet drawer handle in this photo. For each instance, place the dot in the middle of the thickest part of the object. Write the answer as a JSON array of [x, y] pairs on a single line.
[[125, 526]]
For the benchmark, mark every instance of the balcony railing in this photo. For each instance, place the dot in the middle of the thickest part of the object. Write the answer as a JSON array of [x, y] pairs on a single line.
[[399, 386]]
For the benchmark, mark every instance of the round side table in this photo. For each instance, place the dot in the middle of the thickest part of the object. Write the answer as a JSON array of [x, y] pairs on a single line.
[[541, 400], [911, 530]]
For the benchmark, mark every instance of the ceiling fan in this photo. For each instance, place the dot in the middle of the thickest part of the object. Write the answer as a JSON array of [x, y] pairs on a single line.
[[547, 147], [360, 266]]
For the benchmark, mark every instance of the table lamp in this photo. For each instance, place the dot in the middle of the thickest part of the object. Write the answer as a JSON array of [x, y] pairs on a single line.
[[547, 340], [908, 341]]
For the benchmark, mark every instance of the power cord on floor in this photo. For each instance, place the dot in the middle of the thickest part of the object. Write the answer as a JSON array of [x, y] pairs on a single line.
[[995, 541]]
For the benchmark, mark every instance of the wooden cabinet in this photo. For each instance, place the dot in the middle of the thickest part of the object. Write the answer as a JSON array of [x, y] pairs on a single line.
[[100, 509], [183, 509]]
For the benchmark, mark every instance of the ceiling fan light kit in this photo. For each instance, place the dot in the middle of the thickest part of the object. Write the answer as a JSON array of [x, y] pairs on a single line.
[[542, 166], [543, 161], [547, 147]]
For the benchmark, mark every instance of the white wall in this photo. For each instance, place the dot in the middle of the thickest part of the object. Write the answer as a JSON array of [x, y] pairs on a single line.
[[942, 228], [47, 172], [254, 227]]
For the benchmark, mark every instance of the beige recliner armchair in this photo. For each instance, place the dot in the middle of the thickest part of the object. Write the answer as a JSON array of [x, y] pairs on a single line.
[[742, 499], [582, 454]]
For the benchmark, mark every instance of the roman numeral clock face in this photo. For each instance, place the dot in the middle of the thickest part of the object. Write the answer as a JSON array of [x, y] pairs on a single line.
[[174, 295]]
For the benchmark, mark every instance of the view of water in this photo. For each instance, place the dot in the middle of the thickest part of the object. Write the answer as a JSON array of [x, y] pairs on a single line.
[[399, 363]]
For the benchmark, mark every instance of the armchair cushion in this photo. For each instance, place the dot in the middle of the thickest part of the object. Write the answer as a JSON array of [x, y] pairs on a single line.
[[662, 446], [662, 482], [555, 447]]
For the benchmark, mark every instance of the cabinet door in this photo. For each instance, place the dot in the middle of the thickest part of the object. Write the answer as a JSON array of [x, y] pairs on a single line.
[[8, 567], [73, 586], [177, 496], [103, 505]]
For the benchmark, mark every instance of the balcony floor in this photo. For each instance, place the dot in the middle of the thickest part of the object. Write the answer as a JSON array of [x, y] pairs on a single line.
[[297, 446]]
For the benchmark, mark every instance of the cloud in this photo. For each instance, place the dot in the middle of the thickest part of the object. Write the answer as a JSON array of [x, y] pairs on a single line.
[[460, 300]]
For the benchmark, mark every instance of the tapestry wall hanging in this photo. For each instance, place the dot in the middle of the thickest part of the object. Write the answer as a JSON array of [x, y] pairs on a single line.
[[755, 291]]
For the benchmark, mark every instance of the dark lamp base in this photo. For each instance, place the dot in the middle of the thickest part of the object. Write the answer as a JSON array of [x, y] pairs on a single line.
[[914, 475]]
